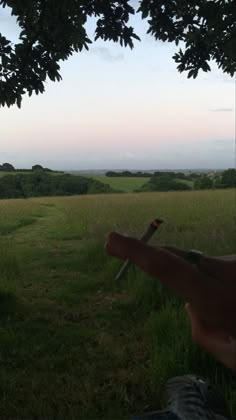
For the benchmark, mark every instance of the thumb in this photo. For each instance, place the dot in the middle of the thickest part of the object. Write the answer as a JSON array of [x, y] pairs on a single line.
[[215, 342]]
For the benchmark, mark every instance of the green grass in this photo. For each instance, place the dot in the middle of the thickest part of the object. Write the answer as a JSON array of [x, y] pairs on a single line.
[[17, 213], [129, 184], [4, 173], [186, 182], [74, 344], [124, 184]]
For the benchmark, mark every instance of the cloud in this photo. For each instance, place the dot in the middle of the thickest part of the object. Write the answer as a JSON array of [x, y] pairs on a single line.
[[222, 110], [105, 55]]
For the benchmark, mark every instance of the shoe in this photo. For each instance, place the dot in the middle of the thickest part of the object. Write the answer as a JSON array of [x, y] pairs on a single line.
[[192, 398]]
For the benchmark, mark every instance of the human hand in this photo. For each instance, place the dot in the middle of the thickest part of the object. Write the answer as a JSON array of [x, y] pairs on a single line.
[[209, 287], [220, 345]]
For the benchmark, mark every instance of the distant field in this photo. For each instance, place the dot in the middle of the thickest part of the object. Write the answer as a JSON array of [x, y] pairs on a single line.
[[185, 181], [126, 184], [4, 173], [75, 345], [129, 184]]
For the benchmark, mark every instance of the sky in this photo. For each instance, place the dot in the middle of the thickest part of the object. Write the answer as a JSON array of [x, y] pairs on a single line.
[[122, 109]]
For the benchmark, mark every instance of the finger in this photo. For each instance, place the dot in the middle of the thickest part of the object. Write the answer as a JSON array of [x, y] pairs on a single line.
[[177, 251], [218, 267], [170, 269]]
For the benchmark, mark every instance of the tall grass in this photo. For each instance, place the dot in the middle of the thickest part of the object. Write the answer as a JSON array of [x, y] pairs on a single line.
[[203, 220], [17, 213], [73, 343]]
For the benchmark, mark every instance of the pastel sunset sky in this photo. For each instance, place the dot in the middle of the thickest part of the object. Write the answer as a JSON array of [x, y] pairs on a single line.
[[122, 109]]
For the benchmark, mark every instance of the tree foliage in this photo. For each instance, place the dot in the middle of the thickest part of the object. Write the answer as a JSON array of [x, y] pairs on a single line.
[[8, 167], [39, 184], [164, 183], [37, 167], [229, 178], [53, 30], [203, 183]]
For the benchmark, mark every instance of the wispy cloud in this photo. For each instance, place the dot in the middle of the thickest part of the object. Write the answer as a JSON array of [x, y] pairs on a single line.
[[105, 55], [222, 110]]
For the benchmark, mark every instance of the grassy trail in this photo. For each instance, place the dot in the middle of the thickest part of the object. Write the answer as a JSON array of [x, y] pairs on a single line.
[[69, 348], [73, 344]]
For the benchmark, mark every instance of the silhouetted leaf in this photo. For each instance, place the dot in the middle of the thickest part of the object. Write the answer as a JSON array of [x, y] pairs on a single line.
[[52, 31]]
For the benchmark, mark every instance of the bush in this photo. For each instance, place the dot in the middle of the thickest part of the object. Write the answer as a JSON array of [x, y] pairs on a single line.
[[7, 167], [164, 183], [203, 183], [229, 178], [39, 183]]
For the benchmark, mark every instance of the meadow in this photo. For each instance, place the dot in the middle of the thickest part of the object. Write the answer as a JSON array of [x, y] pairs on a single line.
[[123, 184], [5, 173], [73, 343]]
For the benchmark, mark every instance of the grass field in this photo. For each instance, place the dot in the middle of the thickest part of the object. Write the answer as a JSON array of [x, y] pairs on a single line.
[[5, 173], [124, 184], [73, 343], [129, 184], [185, 181]]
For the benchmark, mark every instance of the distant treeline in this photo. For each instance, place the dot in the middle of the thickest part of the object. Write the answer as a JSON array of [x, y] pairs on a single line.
[[8, 167], [171, 181], [39, 183], [227, 179], [129, 174]]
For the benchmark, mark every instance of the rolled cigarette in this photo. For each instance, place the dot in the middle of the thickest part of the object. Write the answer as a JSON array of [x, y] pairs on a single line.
[[152, 228]]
